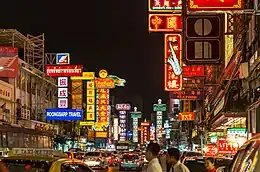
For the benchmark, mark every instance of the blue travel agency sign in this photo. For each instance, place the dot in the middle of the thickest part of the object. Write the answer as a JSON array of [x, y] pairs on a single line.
[[63, 114]]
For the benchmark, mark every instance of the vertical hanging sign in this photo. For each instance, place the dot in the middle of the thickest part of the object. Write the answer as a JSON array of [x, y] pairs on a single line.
[[90, 111], [159, 109], [135, 115]]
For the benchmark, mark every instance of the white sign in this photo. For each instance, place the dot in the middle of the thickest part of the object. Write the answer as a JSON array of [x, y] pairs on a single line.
[[122, 112], [159, 123], [62, 92], [123, 107], [122, 147], [115, 128], [62, 81], [135, 130], [63, 103]]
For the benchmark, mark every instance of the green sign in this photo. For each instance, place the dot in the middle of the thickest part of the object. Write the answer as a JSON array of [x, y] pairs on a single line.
[[159, 107], [136, 115]]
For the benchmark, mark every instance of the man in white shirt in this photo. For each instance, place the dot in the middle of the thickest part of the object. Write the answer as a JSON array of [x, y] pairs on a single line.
[[151, 155], [173, 159]]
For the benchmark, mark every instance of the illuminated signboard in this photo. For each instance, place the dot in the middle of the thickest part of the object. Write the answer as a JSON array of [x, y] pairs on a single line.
[[186, 95], [173, 62], [62, 58], [135, 115], [146, 128], [215, 5], [165, 23], [197, 83], [63, 70], [85, 76], [103, 106], [90, 111], [62, 92], [123, 106], [226, 146], [164, 5], [101, 134], [86, 123], [211, 150], [193, 71], [122, 125], [186, 116], [76, 94], [152, 132], [104, 83], [63, 114], [116, 128]]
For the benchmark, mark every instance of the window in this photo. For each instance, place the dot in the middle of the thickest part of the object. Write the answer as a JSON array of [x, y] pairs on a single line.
[[74, 168]]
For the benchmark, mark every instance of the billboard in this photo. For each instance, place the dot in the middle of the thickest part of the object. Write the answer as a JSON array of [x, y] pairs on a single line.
[[204, 37], [165, 23], [146, 129], [9, 66], [199, 5], [123, 107], [91, 102], [77, 92], [164, 5], [102, 95], [172, 62], [63, 114], [63, 92], [62, 58], [85, 76], [8, 51], [116, 128], [63, 70], [104, 83], [122, 126], [186, 116]]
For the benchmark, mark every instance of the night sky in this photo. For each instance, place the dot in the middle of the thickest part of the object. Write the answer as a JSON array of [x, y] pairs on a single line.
[[99, 34]]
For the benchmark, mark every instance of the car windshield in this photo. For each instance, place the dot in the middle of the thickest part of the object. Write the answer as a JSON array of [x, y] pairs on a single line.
[[24, 166], [130, 157], [93, 154], [195, 165]]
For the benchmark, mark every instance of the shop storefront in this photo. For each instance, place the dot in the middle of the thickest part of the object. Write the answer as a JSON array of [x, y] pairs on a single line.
[[6, 102]]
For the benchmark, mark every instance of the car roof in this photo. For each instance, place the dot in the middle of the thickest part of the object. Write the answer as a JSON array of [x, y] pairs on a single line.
[[36, 158]]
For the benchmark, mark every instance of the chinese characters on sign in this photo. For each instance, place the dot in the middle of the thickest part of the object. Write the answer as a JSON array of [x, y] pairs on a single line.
[[186, 116], [122, 125], [215, 5], [103, 106], [62, 92], [165, 23], [193, 71], [186, 95], [146, 128], [90, 101], [172, 45], [135, 116], [164, 5]]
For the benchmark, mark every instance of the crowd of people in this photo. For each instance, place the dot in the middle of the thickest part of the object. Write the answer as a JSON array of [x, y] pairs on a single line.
[[170, 161]]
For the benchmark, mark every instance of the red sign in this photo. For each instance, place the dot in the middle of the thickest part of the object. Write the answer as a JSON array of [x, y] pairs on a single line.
[[227, 146], [8, 51], [186, 95], [145, 124], [63, 70], [215, 5], [103, 106], [164, 5], [146, 134], [9, 67], [172, 62], [211, 150], [165, 23], [186, 116], [193, 71], [104, 83]]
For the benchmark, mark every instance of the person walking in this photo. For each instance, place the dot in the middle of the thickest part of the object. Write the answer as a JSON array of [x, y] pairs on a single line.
[[209, 164], [173, 160], [151, 155]]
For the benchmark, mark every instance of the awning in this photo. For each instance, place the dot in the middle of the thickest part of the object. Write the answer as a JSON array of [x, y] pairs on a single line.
[[227, 119]]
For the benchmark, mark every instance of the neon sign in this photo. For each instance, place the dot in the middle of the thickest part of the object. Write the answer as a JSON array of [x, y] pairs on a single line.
[[165, 23], [164, 5], [215, 5]]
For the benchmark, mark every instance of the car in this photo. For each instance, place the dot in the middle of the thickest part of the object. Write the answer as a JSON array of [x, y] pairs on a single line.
[[96, 160], [195, 164], [130, 161], [41, 163], [247, 157]]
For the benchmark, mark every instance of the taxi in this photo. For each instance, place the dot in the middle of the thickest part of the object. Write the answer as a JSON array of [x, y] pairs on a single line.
[[44, 160]]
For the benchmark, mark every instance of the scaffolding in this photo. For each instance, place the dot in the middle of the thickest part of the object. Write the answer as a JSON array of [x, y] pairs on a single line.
[[38, 91]]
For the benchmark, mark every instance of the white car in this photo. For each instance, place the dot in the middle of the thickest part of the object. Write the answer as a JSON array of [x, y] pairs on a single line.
[[96, 160]]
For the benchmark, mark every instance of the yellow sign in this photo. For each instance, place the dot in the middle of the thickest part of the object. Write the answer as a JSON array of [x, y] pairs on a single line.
[[104, 83], [86, 123], [103, 73], [85, 76], [90, 111], [101, 134]]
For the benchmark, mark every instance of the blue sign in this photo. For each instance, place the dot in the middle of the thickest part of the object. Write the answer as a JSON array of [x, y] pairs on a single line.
[[64, 114], [62, 58]]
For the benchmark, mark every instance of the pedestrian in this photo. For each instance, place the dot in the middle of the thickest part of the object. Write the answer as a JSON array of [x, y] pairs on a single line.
[[163, 162], [151, 155], [209, 164], [173, 160]]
